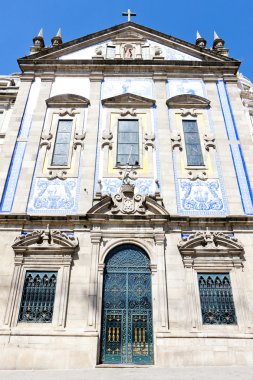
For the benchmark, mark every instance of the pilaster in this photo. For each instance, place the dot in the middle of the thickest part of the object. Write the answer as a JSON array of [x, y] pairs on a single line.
[[93, 283], [164, 145], [88, 163], [162, 289]]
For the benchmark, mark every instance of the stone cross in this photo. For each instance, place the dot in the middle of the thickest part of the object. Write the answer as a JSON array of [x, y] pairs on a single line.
[[129, 13]]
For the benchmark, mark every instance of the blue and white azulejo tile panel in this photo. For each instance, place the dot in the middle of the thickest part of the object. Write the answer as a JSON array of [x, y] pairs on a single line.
[[19, 150], [13, 176], [172, 54], [54, 196], [117, 86], [200, 197], [143, 186], [184, 86]]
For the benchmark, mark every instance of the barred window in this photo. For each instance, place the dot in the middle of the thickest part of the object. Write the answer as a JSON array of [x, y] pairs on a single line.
[[62, 143], [192, 143], [37, 303], [128, 142], [216, 298]]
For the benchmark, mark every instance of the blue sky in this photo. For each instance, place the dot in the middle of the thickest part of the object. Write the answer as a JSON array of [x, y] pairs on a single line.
[[22, 19]]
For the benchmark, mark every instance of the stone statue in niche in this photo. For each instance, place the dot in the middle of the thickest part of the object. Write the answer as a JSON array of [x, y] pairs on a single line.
[[128, 51]]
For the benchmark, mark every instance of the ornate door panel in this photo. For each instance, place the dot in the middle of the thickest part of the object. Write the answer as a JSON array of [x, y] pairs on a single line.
[[127, 331]]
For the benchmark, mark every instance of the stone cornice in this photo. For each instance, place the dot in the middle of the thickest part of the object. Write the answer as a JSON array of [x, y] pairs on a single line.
[[17, 221], [134, 66]]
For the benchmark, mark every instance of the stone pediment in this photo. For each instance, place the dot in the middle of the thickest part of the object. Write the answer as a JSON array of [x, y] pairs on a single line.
[[188, 101], [41, 240], [211, 249], [127, 202], [209, 241], [126, 32], [128, 100], [68, 100]]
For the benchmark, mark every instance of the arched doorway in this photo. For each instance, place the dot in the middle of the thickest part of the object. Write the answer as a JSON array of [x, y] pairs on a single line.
[[127, 329]]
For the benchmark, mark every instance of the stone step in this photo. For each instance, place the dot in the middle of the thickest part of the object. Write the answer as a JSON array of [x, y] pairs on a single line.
[[152, 373]]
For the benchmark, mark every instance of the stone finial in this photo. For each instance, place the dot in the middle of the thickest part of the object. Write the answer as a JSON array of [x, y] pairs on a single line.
[[38, 42], [218, 42], [57, 39], [200, 41], [218, 45]]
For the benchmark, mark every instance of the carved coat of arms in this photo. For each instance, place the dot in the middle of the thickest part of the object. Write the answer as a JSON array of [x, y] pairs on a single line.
[[127, 202]]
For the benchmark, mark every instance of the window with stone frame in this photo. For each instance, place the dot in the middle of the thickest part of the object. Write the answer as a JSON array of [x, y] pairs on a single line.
[[213, 264], [128, 135], [62, 139], [38, 296], [40, 282], [192, 143], [128, 142], [60, 156], [216, 299]]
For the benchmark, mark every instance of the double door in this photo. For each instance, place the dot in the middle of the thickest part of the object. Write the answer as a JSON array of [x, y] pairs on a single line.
[[127, 331]]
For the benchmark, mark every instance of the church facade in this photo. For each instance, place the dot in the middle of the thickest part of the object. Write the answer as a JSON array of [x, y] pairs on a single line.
[[126, 204]]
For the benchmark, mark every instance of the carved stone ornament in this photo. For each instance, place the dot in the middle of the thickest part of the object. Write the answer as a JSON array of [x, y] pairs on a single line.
[[127, 202], [107, 137], [209, 141], [78, 139], [45, 239], [128, 111], [157, 51], [149, 139], [45, 140], [188, 112], [67, 111], [61, 174], [197, 174], [128, 174], [176, 141], [99, 50], [216, 247]]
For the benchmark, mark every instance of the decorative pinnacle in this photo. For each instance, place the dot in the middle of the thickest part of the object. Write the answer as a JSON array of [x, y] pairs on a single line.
[[40, 33], [200, 41], [59, 33], [57, 39], [215, 36], [198, 35], [218, 43], [38, 42]]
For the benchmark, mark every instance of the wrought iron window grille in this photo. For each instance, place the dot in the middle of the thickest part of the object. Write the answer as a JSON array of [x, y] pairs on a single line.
[[216, 298], [37, 303]]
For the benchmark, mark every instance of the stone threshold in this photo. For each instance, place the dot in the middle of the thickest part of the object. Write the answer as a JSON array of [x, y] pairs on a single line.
[[124, 366]]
